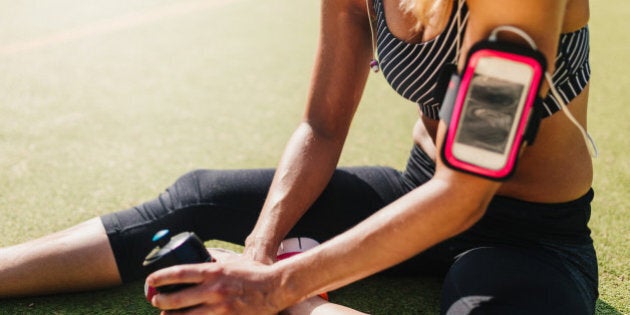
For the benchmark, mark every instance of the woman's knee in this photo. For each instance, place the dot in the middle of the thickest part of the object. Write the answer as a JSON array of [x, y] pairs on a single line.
[[211, 186], [495, 280]]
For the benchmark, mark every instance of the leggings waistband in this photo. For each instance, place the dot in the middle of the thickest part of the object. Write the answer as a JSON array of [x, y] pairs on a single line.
[[566, 222]]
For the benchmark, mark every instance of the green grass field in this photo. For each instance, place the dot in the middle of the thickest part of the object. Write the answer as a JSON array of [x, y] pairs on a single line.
[[104, 104]]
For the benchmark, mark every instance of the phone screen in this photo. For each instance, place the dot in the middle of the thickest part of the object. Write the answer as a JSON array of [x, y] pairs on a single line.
[[488, 118], [491, 112]]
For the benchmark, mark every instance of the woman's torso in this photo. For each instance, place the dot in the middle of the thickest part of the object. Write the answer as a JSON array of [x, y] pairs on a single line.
[[557, 167]]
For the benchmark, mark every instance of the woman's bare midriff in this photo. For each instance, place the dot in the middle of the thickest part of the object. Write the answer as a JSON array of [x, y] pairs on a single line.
[[556, 168]]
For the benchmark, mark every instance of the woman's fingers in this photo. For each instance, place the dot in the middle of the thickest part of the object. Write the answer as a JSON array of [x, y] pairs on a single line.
[[232, 285], [194, 298], [193, 273]]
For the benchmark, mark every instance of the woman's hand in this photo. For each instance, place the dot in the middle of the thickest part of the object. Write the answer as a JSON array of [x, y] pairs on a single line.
[[260, 249], [231, 285]]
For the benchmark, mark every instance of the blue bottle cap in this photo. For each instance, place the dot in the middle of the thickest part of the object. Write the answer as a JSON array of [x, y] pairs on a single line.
[[160, 237]]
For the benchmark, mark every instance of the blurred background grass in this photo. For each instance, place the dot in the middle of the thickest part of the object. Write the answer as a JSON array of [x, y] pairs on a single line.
[[104, 104]]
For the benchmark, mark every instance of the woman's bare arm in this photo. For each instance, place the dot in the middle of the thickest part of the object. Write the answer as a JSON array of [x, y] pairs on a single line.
[[311, 155], [445, 206]]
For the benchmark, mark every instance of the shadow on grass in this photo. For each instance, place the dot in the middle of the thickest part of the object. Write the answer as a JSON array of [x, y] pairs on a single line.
[[604, 308]]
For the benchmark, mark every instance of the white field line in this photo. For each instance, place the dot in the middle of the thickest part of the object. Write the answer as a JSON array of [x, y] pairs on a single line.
[[112, 25]]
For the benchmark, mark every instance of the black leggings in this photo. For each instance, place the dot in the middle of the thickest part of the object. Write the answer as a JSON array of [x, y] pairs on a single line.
[[520, 257]]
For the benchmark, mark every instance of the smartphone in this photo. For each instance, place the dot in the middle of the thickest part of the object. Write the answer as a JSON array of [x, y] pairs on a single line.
[[491, 112]]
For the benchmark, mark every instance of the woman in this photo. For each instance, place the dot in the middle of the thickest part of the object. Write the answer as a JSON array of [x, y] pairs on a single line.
[[522, 245]]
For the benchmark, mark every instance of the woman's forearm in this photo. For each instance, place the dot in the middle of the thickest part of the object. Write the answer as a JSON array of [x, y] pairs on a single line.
[[418, 220], [309, 160], [304, 170]]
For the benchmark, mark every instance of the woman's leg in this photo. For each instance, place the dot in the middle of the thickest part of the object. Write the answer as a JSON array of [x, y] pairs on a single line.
[[75, 259], [511, 280], [224, 205], [319, 306], [526, 258], [215, 204]]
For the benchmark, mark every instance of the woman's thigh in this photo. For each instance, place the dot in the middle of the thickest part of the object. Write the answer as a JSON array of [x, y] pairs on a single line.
[[225, 204]]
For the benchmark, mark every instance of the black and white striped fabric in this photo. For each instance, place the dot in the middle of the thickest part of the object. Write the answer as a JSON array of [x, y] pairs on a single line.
[[573, 69], [412, 69]]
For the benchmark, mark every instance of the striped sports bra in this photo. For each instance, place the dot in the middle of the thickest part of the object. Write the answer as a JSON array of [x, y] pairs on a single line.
[[413, 69]]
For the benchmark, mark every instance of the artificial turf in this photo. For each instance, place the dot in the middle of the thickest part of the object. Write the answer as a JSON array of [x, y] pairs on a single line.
[[104, 104]]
